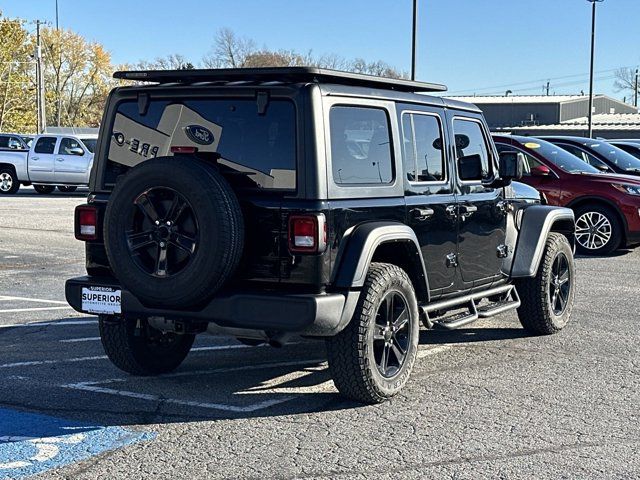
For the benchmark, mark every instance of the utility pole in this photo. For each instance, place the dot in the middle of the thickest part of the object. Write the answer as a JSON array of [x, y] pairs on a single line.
[[414, 39], [40, 98], [58, 92], [548, 83], [635, 90], [593, 46]]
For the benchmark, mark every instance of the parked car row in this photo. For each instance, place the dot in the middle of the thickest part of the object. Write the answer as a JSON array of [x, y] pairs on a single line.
[[45, 161], [598, 180]]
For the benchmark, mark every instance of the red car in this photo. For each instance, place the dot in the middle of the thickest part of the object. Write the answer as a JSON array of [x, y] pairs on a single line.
[[606, 206]]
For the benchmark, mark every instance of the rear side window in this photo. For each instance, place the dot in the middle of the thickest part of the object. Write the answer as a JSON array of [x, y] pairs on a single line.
[[45, 145], [257, 149], [424, 159], [360, 146], [471, 145]]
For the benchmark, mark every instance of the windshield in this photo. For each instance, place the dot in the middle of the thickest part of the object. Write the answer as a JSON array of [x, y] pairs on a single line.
[[90, 143], [617, 156], [559, 157]]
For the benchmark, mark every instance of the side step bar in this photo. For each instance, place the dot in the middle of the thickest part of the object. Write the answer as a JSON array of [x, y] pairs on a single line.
[[460, 319]]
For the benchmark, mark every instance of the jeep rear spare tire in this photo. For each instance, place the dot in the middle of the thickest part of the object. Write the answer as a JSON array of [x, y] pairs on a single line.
[[173, 231]]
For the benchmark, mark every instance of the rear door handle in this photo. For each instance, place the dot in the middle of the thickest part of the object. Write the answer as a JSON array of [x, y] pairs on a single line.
[[451, 211], [422, 213], [59, 159], [34, 158]]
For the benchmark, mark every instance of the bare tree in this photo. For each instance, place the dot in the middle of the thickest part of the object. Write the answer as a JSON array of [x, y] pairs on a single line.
[[625, 80], [174, 61], [229, 50]]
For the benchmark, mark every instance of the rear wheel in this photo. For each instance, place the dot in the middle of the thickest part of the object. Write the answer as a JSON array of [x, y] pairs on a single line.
[[67, 189], [44, 189], [8, 182], [139, 349], [372, 358], [598, 230]]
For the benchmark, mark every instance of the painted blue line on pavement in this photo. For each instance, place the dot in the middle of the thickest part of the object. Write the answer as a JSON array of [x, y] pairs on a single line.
[[32, 443]]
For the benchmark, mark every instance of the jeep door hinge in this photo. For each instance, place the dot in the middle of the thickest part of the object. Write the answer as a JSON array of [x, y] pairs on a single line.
[[452, 260]]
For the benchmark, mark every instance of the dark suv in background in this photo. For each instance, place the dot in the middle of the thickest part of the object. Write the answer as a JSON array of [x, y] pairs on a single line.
[[600, 154], [264, 203], [606, 206]]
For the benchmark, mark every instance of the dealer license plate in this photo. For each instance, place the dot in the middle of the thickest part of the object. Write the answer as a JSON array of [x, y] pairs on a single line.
[[101, 300]]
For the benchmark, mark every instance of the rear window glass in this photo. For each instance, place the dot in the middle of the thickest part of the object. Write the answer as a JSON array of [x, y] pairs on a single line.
[[45, 145], [257, 149], [360, 146]]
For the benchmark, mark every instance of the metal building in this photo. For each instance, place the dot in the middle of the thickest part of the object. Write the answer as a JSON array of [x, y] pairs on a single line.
[[523, 111]]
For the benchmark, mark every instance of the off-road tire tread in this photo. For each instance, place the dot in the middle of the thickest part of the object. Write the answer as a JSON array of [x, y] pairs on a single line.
[[533, 312], [117, 343], [347, 351]]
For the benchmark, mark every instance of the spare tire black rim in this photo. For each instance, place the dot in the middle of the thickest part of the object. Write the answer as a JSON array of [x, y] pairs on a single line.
[[163, 234]]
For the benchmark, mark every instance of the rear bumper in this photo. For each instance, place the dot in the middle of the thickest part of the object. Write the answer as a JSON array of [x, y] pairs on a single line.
[[321, 314]]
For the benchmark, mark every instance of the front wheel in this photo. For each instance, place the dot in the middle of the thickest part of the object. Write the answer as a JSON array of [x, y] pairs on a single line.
[[44, 189], [547, 299], [139, 349], [8, 182], [372, 358]]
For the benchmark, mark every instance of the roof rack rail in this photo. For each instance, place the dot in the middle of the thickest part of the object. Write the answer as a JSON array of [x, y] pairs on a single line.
[[281, 74]]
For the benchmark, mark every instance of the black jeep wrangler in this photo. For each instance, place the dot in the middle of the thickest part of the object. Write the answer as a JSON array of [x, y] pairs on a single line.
[[268, 203]]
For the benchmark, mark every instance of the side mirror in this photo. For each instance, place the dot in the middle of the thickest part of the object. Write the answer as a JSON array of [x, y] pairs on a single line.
[[470, 167], [76, 151], [511, 166], [540, 171]]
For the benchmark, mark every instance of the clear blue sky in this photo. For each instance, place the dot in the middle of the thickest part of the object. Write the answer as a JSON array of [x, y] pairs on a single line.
[[468, 44]]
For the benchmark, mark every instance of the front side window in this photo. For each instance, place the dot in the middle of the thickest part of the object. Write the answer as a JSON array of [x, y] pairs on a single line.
[[424, 159], [45, 145], [360, 146], [67, 145], [584, 156], [472, 152]]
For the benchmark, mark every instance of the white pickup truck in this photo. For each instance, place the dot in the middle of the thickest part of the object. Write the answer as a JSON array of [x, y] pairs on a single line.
[[62, 161]]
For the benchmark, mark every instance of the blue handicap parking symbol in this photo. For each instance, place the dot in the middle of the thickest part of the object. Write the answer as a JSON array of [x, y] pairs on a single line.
[[31, 443]]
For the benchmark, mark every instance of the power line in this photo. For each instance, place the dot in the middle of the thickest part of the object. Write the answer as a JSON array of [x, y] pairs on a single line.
[[531, 82]]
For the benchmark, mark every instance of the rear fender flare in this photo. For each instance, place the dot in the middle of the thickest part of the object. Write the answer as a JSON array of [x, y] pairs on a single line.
[[536, 223], [359, 245]]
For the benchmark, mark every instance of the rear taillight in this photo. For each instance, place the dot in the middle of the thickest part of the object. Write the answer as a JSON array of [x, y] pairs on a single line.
[[86, 223], [307, 233]]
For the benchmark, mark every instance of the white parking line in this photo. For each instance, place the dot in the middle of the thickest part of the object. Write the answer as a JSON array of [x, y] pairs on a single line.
[[77, 340], [425, 352], [50, 324], [95, 388], [27, 299], [37, 309]]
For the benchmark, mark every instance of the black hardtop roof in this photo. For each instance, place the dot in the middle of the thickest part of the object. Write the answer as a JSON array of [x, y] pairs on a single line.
[[278, 74]]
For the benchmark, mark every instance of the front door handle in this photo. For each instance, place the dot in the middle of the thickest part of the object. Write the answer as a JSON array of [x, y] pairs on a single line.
[[422, 214], [468, 209], [59, 159]]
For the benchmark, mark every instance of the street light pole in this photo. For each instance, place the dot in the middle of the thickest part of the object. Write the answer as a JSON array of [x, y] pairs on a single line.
[[593, 45], [414, 39]]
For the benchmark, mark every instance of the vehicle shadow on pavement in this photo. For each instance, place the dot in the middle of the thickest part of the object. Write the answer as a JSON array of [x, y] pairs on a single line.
[[617, 253], [470, 335]]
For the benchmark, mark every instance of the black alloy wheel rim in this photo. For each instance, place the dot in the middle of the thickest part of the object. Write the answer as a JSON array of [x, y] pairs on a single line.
[[559, 284], [392, 334], [163, 232]]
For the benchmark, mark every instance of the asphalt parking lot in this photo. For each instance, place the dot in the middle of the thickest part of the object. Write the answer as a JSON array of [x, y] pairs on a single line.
[[484, 402]]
